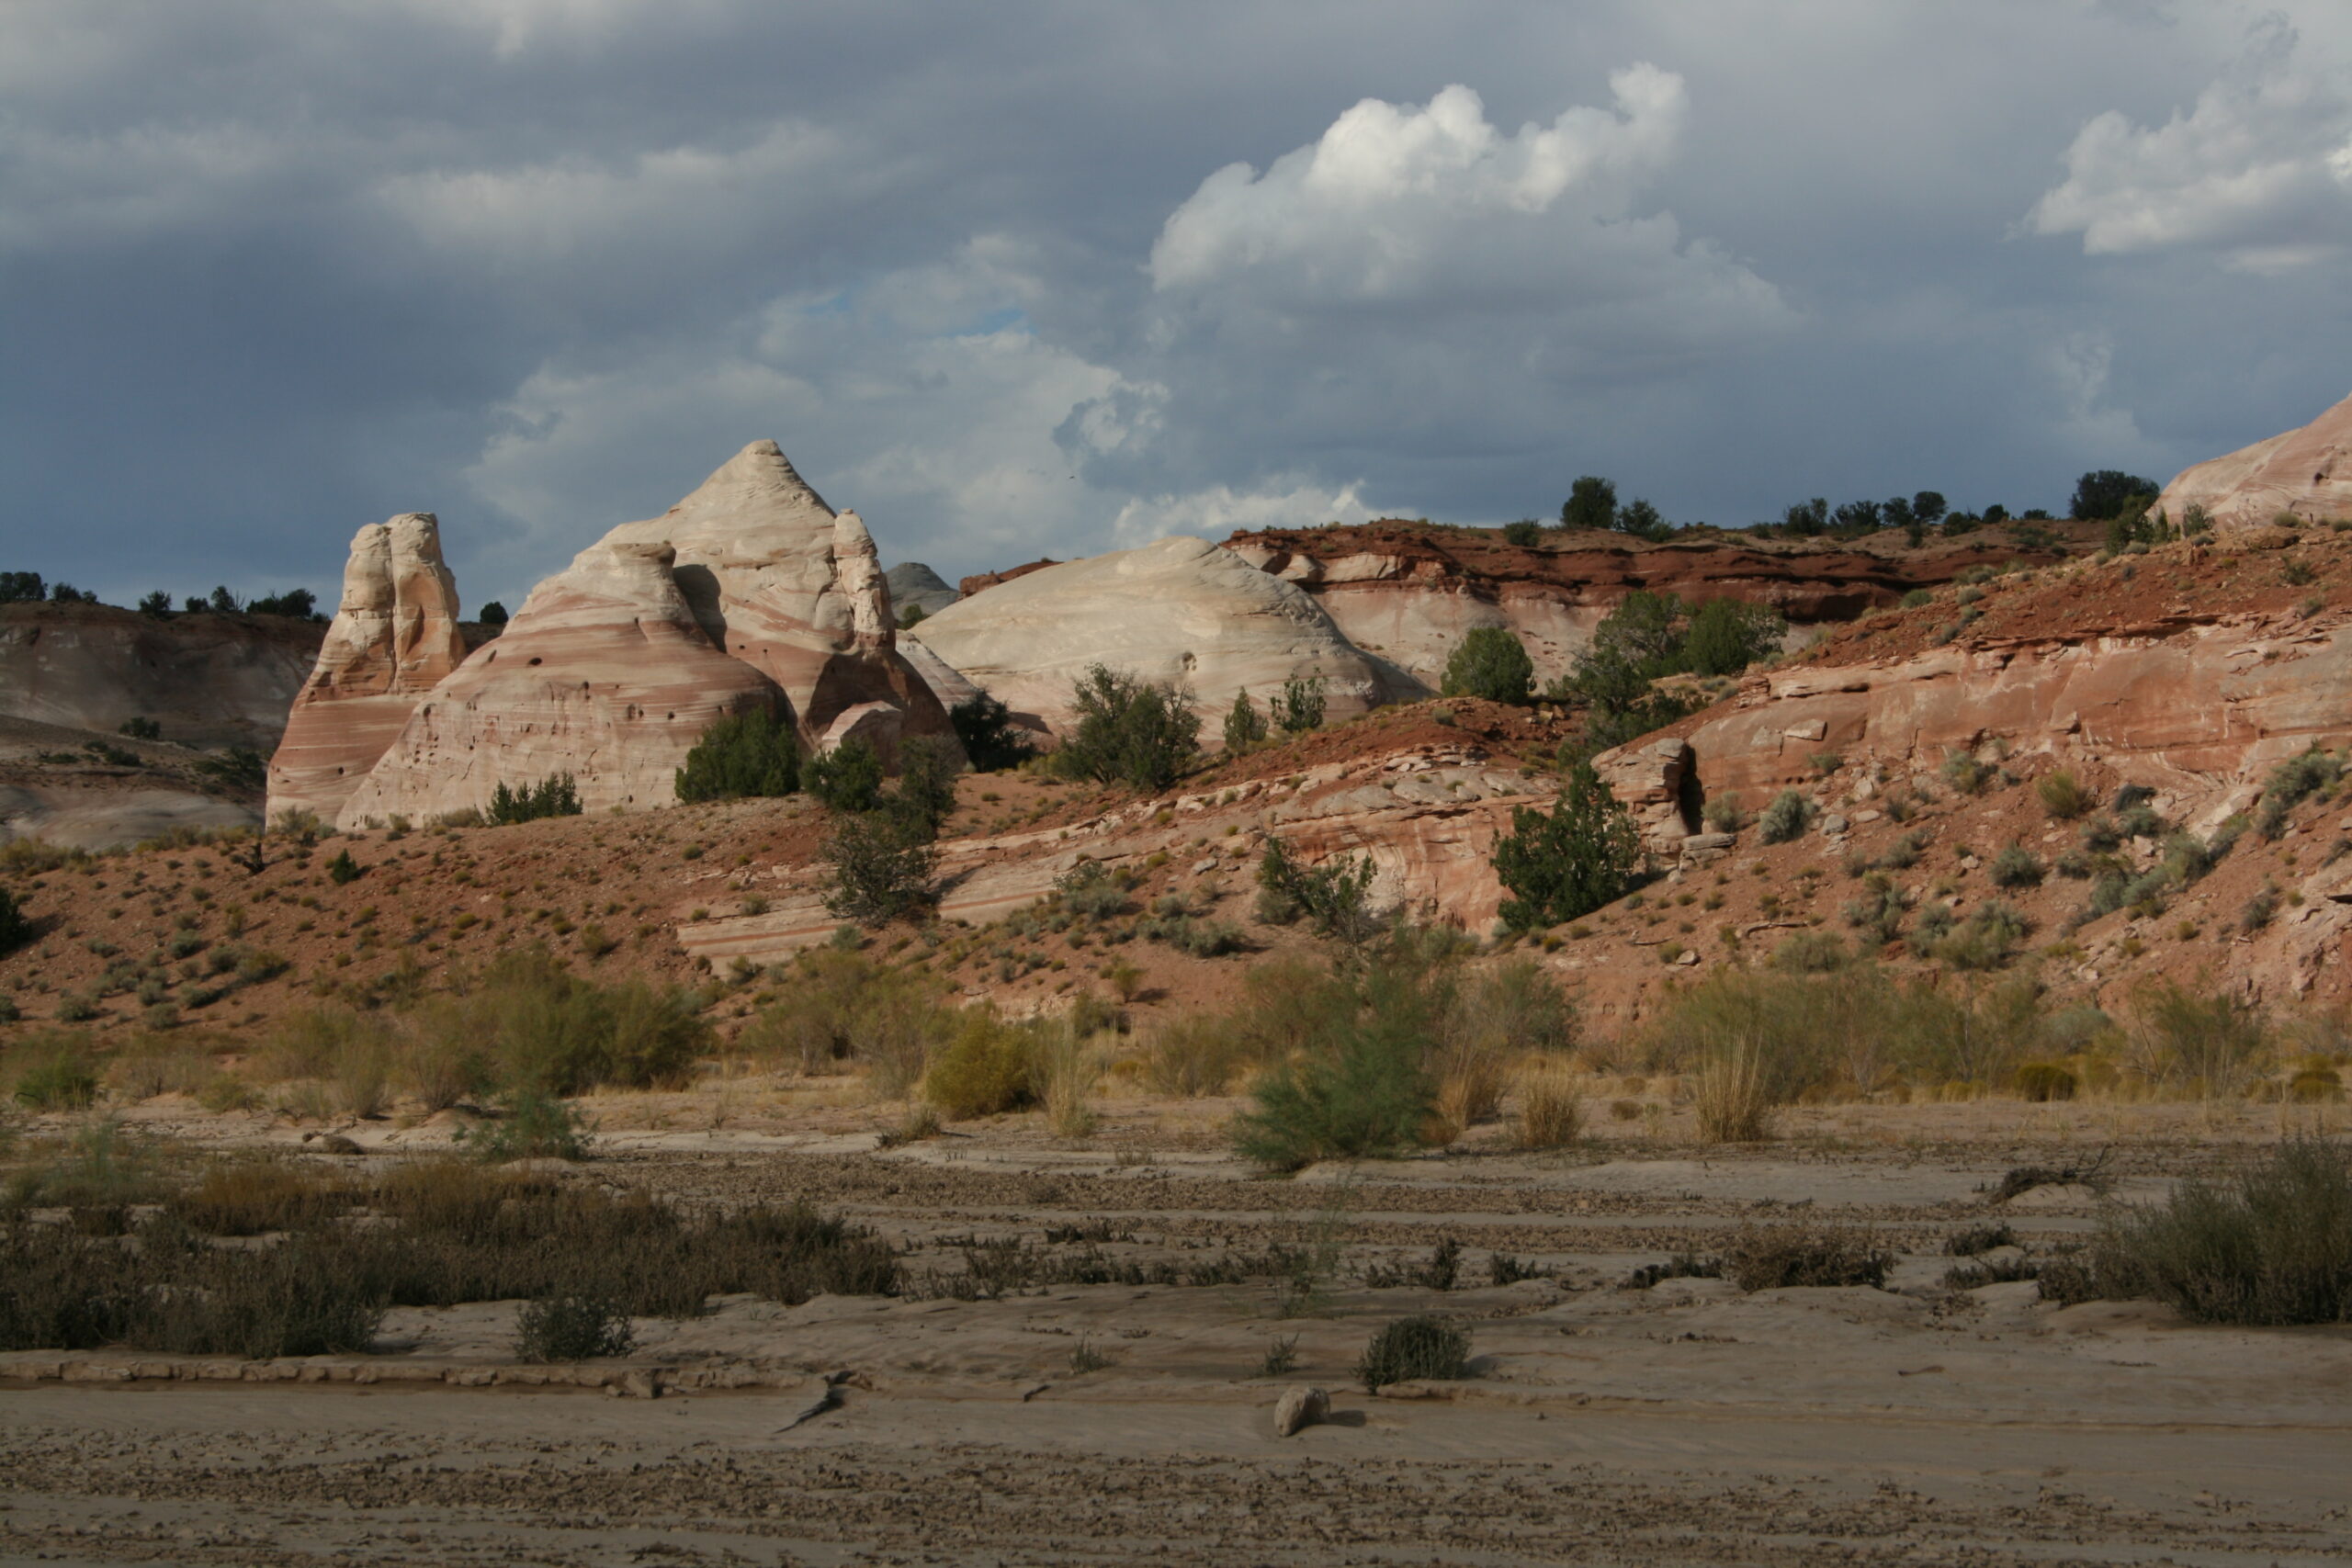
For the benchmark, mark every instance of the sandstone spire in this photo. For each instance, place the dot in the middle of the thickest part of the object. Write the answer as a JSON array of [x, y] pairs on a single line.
[[394, 637]]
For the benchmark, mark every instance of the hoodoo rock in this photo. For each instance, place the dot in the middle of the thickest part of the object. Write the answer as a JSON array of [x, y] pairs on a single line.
[[1182, 611], [605, 674], [780, 582], [2307, 473], [394, 637], [750, 592]]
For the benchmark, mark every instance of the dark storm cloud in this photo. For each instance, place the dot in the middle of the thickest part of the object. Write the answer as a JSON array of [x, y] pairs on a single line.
[[1056, 278]]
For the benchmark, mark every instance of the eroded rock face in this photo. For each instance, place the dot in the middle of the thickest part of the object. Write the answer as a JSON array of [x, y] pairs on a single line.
[[1181, 610], [2307, 473], [209, 680], [2204, 712], [1411, 594], [606, 673], [780, 582], [1426, 817], [394, 637]]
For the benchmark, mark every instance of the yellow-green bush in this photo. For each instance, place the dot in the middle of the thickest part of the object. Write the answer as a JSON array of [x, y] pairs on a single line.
[[989, 1066]]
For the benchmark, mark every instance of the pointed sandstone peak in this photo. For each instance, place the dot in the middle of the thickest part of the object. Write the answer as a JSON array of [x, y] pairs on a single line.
[[394, 637], [782, 583], [2306, 471]]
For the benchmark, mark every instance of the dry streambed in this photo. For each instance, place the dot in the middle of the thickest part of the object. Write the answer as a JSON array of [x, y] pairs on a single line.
[[1030, 1417]]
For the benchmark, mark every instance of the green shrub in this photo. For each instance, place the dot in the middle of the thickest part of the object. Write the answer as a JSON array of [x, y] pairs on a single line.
[[1811, 953], [1414, 1347], [1725, 637], [343, 869], [1563, 864], [1331, 897], [925, 797], [1877, 912], [571, 1329], [1093, 891], [1526, 532], [556, 797], [1128, 731], [547, 1031], [1986, 939], [2290, 783], [2018, 866], [2271, 1245], [988, 1067], [883, 869], [1491, 663], [1361, 1087], [535, 1126], [1917, 597], [2063, 797], [1300, 708], [1785, 819], [16, 926], [61, 1074], [1964, 772], [1244, 726], [846, 779], [990, 739], [742, 756]]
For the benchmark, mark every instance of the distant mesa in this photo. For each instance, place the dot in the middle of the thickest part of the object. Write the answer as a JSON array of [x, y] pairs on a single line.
[[750, 592], [972, 585], [2307, 473], [915, 586]]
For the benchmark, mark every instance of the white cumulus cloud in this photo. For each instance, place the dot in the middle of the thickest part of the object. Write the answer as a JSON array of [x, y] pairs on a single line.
[[2258, 170]]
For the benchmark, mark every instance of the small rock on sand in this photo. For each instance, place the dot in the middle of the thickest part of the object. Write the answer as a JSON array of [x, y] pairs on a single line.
[[329, 1144], [1300, 1407]]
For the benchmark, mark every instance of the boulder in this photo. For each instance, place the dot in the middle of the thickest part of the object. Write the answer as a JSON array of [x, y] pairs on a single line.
[[778, 579], [394, 637], [606, 673], [1181, 610], [1300, 1408], [2307, 473]]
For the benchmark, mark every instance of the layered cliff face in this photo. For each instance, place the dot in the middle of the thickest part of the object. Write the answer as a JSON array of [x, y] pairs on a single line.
[[395, 635], [208, 679], [2306, 472], [605, 674], [1410, 592], [1180, 611]]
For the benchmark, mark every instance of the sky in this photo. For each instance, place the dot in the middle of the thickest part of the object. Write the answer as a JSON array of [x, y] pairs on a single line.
[[1018, 280]]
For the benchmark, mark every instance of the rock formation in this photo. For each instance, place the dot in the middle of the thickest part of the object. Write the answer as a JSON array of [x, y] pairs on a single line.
[[1181, 610], [605, 674], [2307, 473], [914, 584], [1410, 592], [750, 592], [781, 582], [208, 679], [395, 635]]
